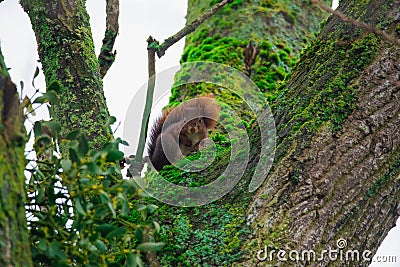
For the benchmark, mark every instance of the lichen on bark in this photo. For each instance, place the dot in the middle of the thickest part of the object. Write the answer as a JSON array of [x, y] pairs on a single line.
[[67, 55]]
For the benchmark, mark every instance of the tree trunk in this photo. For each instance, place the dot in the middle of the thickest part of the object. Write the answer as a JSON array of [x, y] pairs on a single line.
[[14, 239], [337, 169], [213, 234], [335, 180], [67, 55]]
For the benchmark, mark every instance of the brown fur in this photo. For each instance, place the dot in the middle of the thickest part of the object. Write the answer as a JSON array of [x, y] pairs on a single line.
[[179, 131]]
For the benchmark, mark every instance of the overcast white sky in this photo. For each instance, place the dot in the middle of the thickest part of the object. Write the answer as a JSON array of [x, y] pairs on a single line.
[[138, 20]]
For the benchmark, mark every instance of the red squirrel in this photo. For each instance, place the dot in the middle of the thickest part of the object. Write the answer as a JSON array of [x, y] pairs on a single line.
[[181, 127]]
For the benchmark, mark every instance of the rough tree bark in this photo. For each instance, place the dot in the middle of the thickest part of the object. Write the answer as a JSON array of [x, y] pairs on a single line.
[[67, 55], [336, 171], [14, 240]]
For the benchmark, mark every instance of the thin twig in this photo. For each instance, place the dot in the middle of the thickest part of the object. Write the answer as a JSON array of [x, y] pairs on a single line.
[[107, 56], [137, 166], [357, 23], [190, 28]]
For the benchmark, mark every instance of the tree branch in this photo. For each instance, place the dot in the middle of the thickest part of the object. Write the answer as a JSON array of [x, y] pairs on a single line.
[[357, 23], [137, 165], [107, 56], [189, 28]]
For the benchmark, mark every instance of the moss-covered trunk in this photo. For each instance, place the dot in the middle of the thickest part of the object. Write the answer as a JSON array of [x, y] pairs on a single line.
[[67, 55], [213, 235], [14, 240], [337, 168]]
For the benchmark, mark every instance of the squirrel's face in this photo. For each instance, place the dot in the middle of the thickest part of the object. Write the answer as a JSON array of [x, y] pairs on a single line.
[[193, 126]]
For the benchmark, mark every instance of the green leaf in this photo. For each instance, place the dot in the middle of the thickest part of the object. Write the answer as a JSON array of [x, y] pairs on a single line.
[[131, 260], [111, 207], [139, 207], [114, 155], [54, 86], [43, 140], [150, 246], [42, 244], [139, 235], [54, 127], [93, 168], [101, 212], [78, 207], [124, 203], [40, 100], [104, 197], [125, 143], [106, 228], [151, 207], [101, 246], [116, 233], [53, 97], [34, 76], [83, 146], [73, 135], [40, 196], [49, 96], [157, 226], [112, 120], [66, 165], [37, 129], [73, 155], [53, 249]]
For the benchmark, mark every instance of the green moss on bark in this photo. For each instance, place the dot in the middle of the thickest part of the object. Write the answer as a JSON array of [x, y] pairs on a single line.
[[14, 240], [212, 235], [67, 54]]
